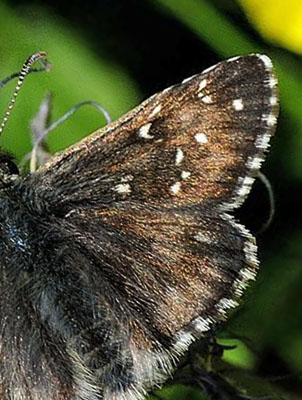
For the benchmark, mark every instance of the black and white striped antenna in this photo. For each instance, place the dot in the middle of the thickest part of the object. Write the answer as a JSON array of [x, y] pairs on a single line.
[[24, 71]]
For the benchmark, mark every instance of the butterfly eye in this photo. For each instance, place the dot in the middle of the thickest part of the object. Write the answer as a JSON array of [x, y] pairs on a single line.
[[7, 165]]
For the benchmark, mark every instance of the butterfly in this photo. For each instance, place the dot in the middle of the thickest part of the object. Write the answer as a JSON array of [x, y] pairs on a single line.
[[122, 250]]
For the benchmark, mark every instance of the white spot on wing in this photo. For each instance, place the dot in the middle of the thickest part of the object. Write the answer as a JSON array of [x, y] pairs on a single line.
[[185, 174], [202, 84], [238, 104], [122, 188], [266, 61], [245, 186], [202, 324], [273, 100], [225, 304], [127, 178], [250, 250], [203, 238], [184, 339], [263, 141], [175, 188], [179, 156], [205, 99], [272, 82], [143, 131], [201, 138], [155, 111], [254, 163], [247, 274], [270, 119]]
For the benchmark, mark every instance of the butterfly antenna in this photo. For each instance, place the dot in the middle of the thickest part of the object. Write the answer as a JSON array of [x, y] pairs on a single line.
[[24, 71]]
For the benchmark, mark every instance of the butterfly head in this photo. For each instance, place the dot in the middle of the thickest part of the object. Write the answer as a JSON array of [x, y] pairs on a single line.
[[8, 169]]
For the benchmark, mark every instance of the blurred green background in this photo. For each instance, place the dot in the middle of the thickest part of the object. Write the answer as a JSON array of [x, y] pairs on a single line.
[[118, 52]]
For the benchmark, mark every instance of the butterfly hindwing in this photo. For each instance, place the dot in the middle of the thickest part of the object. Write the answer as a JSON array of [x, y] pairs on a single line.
[[201, 141]]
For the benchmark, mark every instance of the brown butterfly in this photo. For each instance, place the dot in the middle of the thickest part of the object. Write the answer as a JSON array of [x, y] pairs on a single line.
[[122, 250]]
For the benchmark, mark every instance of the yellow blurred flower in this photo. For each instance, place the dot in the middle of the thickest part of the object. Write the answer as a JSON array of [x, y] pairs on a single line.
[[277, 20]]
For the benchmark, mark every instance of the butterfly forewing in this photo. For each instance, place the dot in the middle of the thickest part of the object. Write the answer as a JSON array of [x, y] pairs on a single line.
[[199, 141]]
